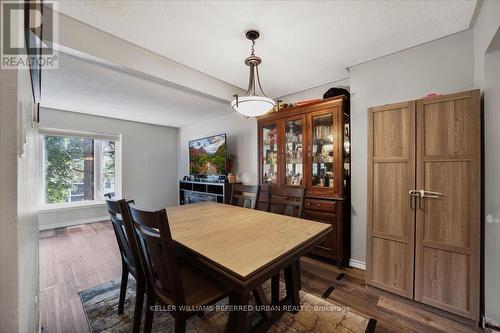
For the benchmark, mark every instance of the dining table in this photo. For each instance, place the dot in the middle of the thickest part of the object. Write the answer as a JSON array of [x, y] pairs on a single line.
[[243, 248]]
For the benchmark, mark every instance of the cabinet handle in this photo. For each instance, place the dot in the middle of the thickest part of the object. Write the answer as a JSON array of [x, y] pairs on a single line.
[[318, 205], [308, 204]]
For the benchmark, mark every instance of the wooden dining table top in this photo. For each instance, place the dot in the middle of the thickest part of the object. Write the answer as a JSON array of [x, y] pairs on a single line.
[[239, 240]]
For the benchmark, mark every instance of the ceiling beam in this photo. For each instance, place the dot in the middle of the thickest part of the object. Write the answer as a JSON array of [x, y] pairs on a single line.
[[79, 38]]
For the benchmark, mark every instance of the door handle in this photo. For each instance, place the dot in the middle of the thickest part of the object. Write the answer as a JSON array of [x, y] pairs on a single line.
[[428, 195], [413, 194]]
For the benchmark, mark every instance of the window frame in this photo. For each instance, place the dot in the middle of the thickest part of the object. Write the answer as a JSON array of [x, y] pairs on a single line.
[[98, 196]]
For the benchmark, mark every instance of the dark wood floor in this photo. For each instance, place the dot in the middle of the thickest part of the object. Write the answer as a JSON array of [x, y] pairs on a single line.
[[74, 259]]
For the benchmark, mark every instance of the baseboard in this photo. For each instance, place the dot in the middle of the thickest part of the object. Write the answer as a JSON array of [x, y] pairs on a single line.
[[72, 223], [492, 324], [357, 264]]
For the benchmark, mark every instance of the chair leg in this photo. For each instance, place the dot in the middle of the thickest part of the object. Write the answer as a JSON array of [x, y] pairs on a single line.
[[123, 288], [180, 322], [139, 302], [275, 289], [148, 321]]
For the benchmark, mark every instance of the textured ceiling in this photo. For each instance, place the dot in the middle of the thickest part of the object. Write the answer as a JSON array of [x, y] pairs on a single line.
[[88, 87], [303, 43]]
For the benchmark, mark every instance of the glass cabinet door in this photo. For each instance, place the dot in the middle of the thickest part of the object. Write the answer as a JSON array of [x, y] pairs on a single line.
[[270, 143], [322, 151], [294, 162]]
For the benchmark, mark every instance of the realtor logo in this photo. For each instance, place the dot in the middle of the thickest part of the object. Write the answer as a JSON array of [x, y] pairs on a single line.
[[23, 25]]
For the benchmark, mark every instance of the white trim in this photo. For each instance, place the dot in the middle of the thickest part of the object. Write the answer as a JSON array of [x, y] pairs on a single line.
[[72, 223], [79, 134], [492, 321], [60, 207], [357, 264]]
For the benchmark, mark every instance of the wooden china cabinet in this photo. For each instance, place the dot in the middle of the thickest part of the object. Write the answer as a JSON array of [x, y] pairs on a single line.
[[310, 146]]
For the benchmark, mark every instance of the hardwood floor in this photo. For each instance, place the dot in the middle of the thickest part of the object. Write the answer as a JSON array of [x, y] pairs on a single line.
[[74, 259], [71, 260]]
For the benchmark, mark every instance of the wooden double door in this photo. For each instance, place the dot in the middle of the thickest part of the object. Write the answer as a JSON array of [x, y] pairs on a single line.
[[424, 201]]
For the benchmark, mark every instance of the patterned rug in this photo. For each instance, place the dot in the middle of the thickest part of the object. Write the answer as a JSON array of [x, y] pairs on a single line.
[[317, 315]]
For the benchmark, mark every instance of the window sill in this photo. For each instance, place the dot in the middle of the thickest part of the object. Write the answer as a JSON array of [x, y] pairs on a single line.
[[51, 208]]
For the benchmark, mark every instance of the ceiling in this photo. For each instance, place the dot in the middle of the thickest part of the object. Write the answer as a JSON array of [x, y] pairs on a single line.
[[88, 87], [303, 44]]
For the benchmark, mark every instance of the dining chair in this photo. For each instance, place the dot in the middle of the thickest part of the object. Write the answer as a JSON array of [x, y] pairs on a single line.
[[263, 197], [169, 283], [245, 195], [131, 262], [286, 200]]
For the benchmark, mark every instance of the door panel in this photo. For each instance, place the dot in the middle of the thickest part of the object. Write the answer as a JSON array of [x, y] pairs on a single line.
[[444, 280], [447, 262], [447, 220], [325, 158], [391, 165], [447, 125], [392, 266], [391, 183]]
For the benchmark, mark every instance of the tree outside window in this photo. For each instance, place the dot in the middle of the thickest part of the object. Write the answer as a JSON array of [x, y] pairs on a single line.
[[70, 168]]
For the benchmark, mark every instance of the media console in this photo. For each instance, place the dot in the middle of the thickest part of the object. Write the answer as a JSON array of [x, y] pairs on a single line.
[[196, 191]]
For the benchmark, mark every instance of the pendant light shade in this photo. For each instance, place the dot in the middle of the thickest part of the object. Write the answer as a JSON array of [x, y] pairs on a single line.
[[253, 105]]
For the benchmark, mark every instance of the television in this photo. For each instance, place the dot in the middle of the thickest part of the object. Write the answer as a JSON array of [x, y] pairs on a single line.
[[207, 156]]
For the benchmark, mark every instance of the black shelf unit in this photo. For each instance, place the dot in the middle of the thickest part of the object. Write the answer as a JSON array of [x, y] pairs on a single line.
[[196, 191]]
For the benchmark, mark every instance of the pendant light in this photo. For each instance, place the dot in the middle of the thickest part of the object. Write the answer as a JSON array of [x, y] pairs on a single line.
[[253, 105]]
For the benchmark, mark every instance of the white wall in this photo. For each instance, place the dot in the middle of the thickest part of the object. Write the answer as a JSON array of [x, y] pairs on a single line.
[[486, 26], [492, 184], [241, 141], [487, 74], [149, 162], [18, 206], [444, 66], [314, 93]]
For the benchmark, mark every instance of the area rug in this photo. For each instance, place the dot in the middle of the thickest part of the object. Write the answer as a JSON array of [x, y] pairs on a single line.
[[317, 315]]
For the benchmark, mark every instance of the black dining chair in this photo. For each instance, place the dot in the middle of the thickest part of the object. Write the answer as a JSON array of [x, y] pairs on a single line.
[[168, 281], [245, 195], [131, 262]]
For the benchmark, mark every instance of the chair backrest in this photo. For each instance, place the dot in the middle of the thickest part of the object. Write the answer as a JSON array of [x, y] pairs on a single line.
[[263, 197], [157, 252], [286, 200], [124, 232], [245, 195]]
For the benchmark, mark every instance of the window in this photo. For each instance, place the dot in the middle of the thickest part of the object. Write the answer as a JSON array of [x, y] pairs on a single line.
[[78, 169]]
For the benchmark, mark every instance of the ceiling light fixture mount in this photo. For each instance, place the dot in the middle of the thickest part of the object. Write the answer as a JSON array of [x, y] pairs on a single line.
[[253, 105]]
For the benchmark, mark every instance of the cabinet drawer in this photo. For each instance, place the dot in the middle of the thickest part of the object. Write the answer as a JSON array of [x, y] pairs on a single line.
[[328, 248], [321, 205], [329, 242], [316, 215]]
